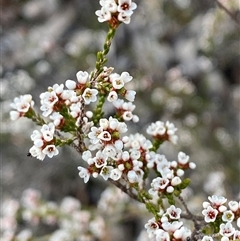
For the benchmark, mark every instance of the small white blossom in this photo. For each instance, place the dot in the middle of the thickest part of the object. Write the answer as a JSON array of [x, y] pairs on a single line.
[[130, 95], [162, 235], [82, 77], [103, 15], [234, 205], [228, 216], [115, 174], [84, 173], [173, 212], [106, 172], [112, 96], [21, 106], [151, 227], [50, 151], [210, 214], [126, 6], [89, 95], [100, 159], [37, 152], [207, 238], [227, 229], [70, 84]]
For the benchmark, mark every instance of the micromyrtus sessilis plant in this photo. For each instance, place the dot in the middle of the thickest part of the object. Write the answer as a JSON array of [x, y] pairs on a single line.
[[72, 114]]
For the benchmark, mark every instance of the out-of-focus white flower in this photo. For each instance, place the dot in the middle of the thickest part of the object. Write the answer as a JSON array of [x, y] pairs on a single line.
[[21, 105], [69, 205]]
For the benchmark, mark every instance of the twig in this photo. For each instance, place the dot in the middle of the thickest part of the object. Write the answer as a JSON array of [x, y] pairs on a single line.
[[228, 12], [124, 189]]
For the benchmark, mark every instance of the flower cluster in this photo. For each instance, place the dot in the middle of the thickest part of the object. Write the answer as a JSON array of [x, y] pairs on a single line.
[[216, 212], [116, 12], [44, 142], [167, 226], [170, 173], [21, 106], [67, 108], [163, 132]]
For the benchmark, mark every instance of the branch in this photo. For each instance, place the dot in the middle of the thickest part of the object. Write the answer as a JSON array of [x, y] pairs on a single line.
[[228, 12], [125, 189]]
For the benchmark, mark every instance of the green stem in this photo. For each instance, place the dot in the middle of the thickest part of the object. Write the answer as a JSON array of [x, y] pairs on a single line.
[[156, 145], [98, 113], [101, 55]]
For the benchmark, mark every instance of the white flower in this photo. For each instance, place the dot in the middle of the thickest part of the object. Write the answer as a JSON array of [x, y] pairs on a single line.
[[162, 235], [37, 152], [93, 135], [110, 151], [236, 235], [123, 17], [158, 183], [227, 229], [228, 216], [57, 118], [110, 5], [21, 105], [104, 136], [183, 158], [70, 84], [48, 131], [156, 128], [36, 135], [38, 143], [210, 214], [82, 77], [46, 109], [233, 205], [115, 174], [86, 155], [217, 200], [132, 176], [130, 95], [100, 159], [112, 96], [151, 227], [103, 15], [48, 98], [89, 95], [238, 222], [84, 173], [126, 77], [176, 181], [58, 89], [106, 172], [75, 109], [173, 212], [69, 205], [207, 238], [50, 151], [117, 82], [126, 7], [171, 227], [14, 115], [183, 233]]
